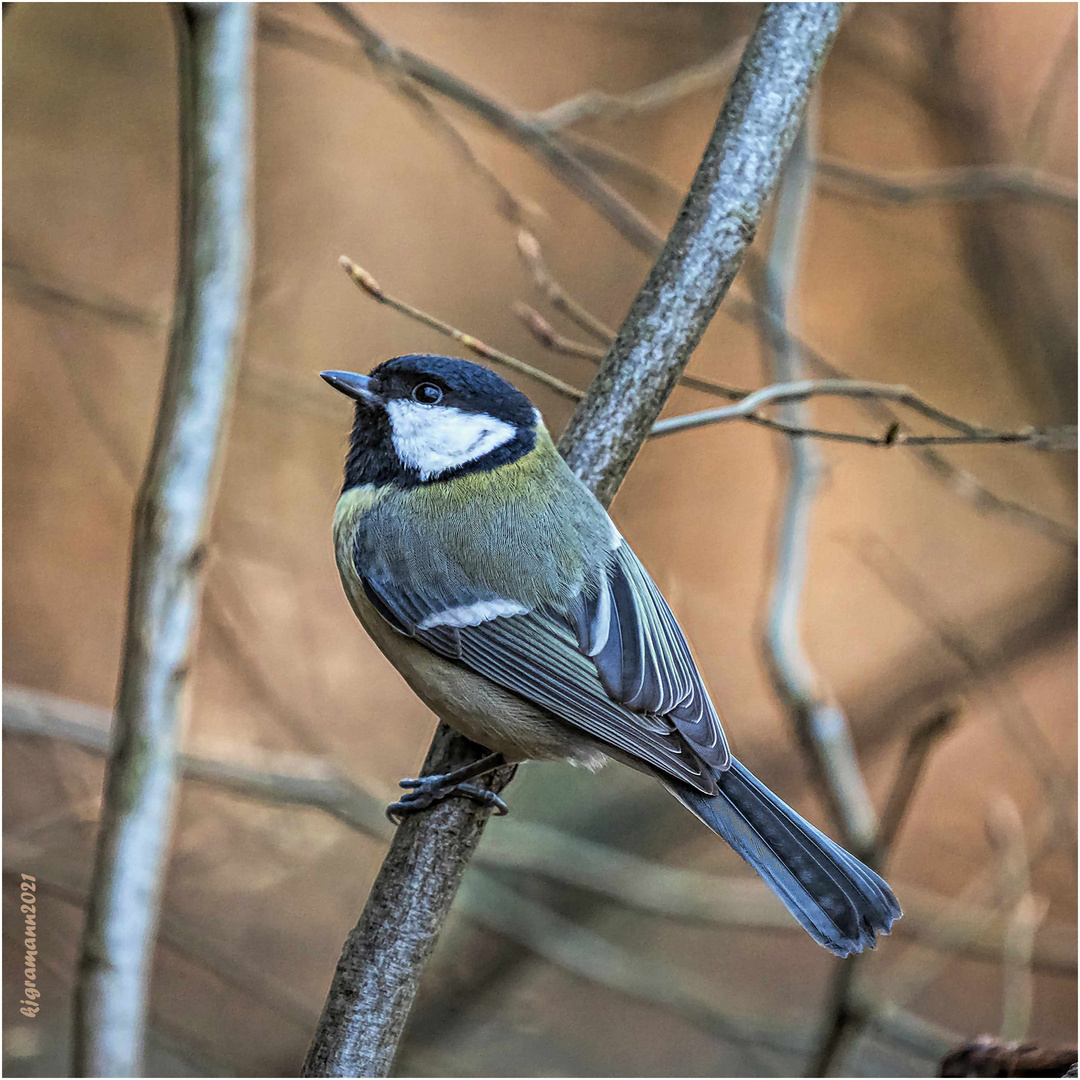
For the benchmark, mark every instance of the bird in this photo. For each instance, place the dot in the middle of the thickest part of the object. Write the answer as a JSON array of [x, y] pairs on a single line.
[[497, 585]]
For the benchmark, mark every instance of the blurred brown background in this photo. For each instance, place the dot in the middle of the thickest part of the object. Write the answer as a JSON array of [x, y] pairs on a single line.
[[971, 301]]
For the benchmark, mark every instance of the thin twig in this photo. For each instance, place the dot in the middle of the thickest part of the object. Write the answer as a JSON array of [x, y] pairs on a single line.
[[616, 165], [551, 339], [529, 250], [1017, 721], [1051, 438], [635, 883], [945, 185], [80, 298], [171, 515], [959, 481], [917, 750], [370, 286], [709, 74], [379, 970], [1034, 144], [840, 178], [514, 208], [548, 148]]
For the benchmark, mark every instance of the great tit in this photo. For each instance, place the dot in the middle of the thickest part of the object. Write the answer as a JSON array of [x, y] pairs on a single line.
[[497, 585]]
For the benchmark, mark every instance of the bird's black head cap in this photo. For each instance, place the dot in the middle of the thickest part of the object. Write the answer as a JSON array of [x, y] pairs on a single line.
[[410, 402], [463, 385]]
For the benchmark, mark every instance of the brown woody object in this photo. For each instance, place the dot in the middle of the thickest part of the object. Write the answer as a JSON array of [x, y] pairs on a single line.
[[991, 1056]]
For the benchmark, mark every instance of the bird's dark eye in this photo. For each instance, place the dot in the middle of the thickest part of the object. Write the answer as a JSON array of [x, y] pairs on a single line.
[[427, 393]]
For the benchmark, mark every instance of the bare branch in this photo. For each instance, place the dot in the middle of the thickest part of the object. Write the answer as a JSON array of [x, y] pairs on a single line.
[[529, 250], [379, 970], [370, 286], [946, 185], [920, 744], [1017, 721], [1005, 830], [959, 481], [819, 722], [80, 298], [635, 883], [515, 209], [172, 509], [713, 72], [632, 224], [1052, 438]]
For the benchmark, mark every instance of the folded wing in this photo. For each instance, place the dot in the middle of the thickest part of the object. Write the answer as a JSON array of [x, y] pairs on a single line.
[[613, 663], [642, 657]]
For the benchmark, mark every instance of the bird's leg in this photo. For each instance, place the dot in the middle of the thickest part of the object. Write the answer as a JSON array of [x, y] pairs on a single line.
[[428, 790]]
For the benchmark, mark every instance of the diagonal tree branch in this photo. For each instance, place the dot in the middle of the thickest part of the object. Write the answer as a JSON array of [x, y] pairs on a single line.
[[171, 515], [363, 280], [379, 970], [519, 127], [945, 185]]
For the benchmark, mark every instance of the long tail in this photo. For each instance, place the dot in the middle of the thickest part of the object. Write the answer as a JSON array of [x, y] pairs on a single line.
[[842, 904]]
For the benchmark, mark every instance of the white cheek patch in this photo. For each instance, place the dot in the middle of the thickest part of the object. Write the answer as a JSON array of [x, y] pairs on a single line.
[[434, 439]]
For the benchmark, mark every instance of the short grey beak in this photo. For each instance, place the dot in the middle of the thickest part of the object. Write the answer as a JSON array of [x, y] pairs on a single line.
[[352, 385]]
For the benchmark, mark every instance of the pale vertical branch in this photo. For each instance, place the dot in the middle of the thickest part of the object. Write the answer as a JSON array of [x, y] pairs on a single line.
[[818, 720], [171, 515], [380, 966], [1005, 830]]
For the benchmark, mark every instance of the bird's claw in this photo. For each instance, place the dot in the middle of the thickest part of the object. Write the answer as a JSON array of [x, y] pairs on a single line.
[[428, 790]]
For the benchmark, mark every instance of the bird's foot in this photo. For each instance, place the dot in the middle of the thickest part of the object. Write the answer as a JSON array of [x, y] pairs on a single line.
[[426, 791]]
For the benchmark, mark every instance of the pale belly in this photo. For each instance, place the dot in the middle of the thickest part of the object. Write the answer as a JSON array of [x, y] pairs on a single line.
[[473, 705]]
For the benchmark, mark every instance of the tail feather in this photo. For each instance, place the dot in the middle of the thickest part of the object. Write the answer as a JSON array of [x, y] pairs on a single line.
[[840, 902]]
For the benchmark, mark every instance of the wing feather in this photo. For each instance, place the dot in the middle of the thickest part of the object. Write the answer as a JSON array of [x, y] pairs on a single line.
[[536, 658], [643, 659], [613, 661]]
